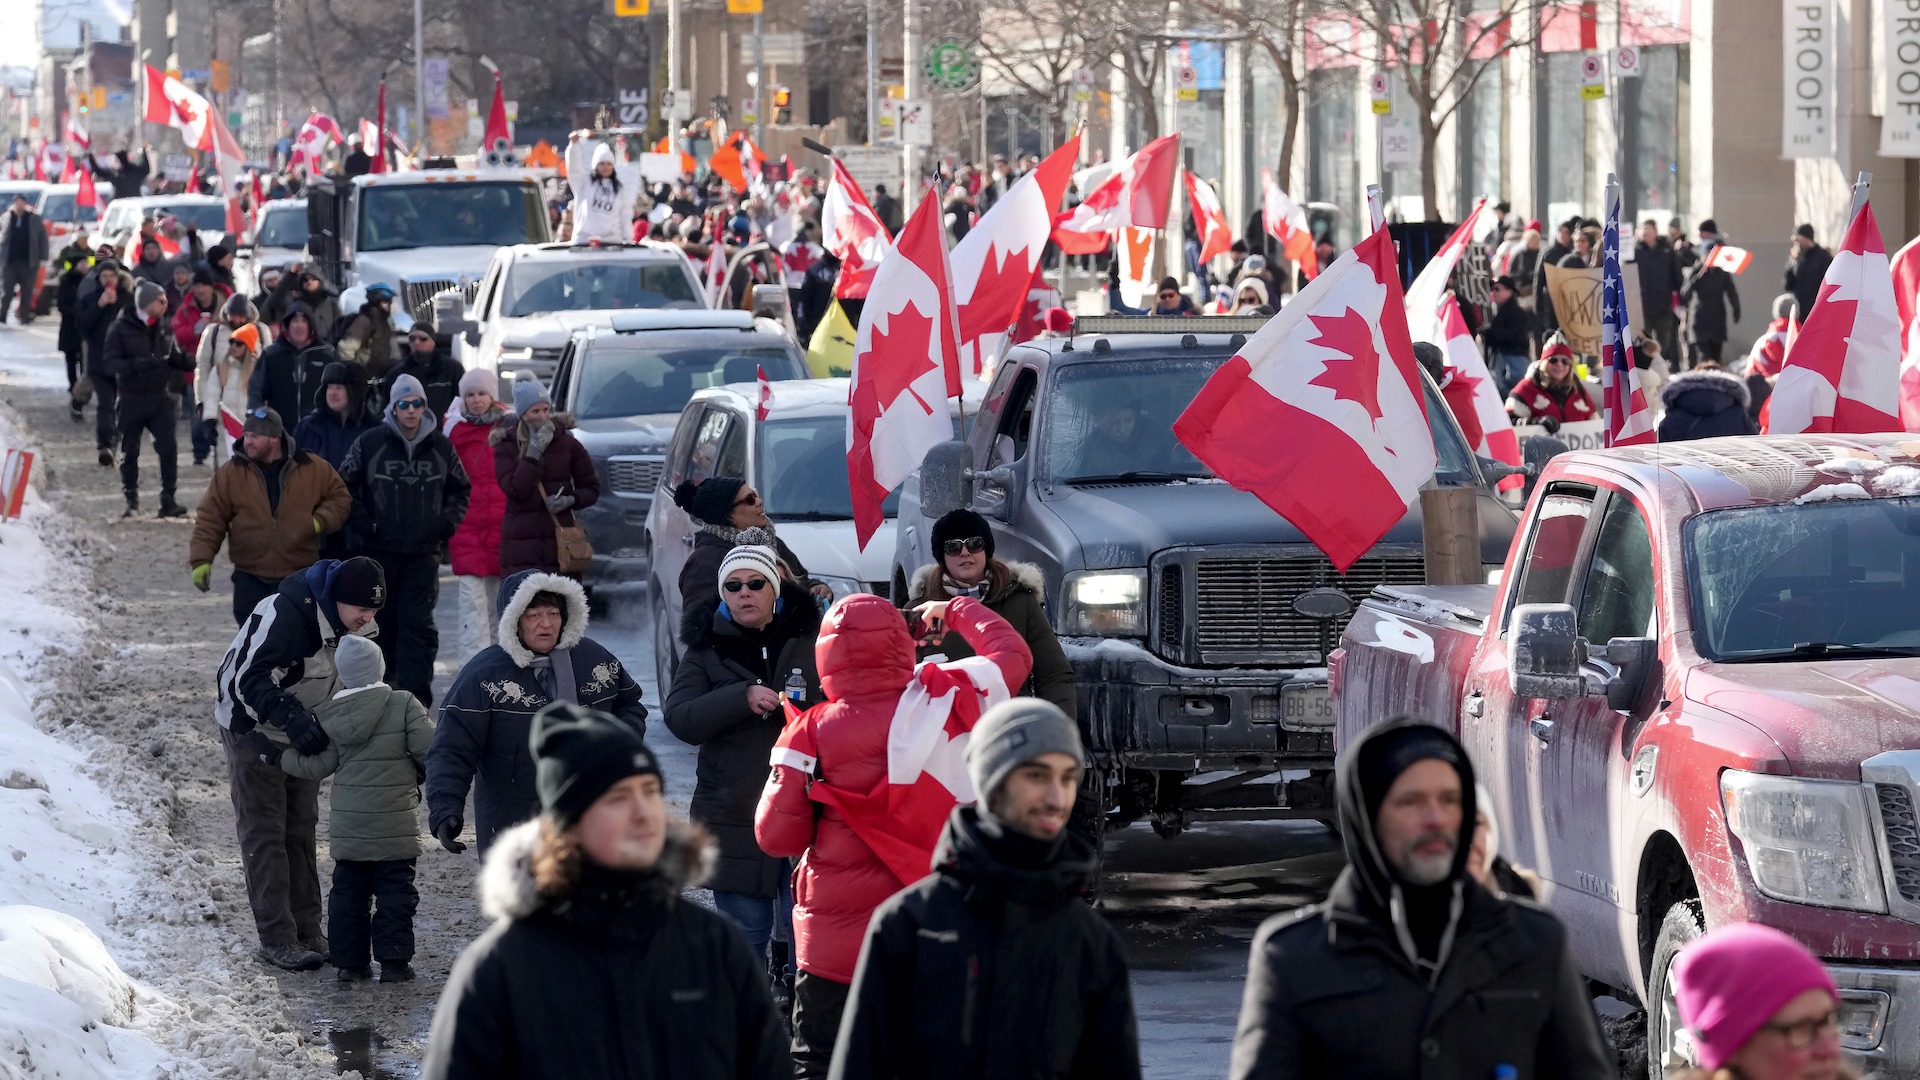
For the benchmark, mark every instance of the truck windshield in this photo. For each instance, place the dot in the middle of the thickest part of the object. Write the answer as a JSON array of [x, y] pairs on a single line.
[[534, 288], [65, 206], [803, 470], [283, 228], [206, 217], [1112, 422], [486, 214], [630, 381], [1839, 578]]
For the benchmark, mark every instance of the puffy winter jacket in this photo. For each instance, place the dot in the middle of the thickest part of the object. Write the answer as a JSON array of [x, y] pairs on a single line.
[[186, 320], [368, 340], [287, 377], [1704, 404], [324, 432], [1014, 591], [1530, 402], [1709, 292], [94, 320], [992, 967], [620, 977], [439, 376], [408, 495], [475, 547], [263, 540], [707, 708], [377, 740], [142, 356], [866, 660], [526, 527], [323, 306], [217, 380], [489, 709], [67, 296], [281, 659]]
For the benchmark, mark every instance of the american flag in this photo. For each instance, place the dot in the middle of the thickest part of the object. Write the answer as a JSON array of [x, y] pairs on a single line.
[[1629, 421]]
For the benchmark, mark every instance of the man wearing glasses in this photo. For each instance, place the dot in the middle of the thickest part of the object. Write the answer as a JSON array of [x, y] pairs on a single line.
[[439, 374], [409, 493]]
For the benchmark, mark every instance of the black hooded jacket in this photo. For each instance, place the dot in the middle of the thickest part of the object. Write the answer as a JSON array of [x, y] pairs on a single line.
[[287, 378], [281, 660], [991, 967], [1336, 989], [322, 431], [1705, 404], [408, 497], [707, 707], [141, 354]]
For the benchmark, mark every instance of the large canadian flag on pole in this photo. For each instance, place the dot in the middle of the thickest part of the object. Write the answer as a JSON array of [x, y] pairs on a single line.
[[1842, 373], [852, 232], [906, 361], [1136, 194], [1469, 368], [1334, 371], [169, 101], [995, 263], [1286, 221]]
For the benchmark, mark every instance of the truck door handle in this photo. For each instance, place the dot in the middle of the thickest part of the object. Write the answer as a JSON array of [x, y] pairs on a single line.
[[1476, 705], [687, 539], [1542, 728]]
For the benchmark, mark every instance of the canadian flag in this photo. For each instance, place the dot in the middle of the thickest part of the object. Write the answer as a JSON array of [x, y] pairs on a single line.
[[1906, 297], [905, 362], [77, 135], [716, 269], [763, 401], [1334, 370], [1842, 373], [995, 263], [1468, 368], [1729, 258], [1137, 193], [1286, 221], [853, 233], [1209, 218], [310, 145], [171, 102]]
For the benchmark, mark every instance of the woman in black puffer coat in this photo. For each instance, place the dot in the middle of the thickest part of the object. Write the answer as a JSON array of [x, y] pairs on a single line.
[[1703, 404]]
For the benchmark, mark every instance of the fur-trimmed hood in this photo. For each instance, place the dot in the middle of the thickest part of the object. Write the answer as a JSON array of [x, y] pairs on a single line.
[[1702, 388], [509, 426], [1004, 576], [518, 591], [506, 883]]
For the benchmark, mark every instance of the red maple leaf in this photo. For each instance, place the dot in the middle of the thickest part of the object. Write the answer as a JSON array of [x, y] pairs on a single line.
[[1002, 285], [186, 113], [1357, 379], [799, 258], [900, 354]]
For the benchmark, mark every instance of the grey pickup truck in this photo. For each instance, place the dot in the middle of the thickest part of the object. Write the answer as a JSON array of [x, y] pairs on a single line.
[[1197, 620]]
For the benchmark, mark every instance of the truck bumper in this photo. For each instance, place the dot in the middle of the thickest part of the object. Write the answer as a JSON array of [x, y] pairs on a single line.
[[1880, 1017], [616, 527], [1143, 712]]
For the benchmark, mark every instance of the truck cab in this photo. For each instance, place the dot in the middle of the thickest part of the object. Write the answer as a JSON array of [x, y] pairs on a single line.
[[1694, 699], [1197, 621]]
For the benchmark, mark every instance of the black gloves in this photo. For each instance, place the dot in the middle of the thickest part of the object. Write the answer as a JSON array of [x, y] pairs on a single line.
[[305, 732], [448, 833], [1551, 423], [266, 749]]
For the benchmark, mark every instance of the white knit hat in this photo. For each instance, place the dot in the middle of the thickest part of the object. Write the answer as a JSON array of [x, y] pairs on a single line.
[[750, 557]]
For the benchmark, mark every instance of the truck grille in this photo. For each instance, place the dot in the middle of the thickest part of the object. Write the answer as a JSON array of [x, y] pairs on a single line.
[[634, 475], [1902, 827], [1243, 608], [420, 295]]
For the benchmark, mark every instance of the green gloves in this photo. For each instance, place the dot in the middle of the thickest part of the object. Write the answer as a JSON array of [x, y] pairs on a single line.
[[203, 576], [317, 527]]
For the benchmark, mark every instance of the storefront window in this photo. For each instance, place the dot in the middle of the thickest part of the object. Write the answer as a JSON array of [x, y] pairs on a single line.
[[1563, 139], [1654, 183], [1482, 163], [1333, 165]]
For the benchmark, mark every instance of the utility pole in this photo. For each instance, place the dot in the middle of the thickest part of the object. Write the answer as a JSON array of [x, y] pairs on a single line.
[[761, 97], [873, 70], [418, 138], [910, 75], [673, 63]]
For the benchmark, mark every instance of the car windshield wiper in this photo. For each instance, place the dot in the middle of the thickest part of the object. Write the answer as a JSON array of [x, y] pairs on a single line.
[[810, 515], [1829, 650], [1136, 476]]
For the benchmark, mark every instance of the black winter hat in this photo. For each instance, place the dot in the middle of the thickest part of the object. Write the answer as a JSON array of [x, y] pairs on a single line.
[[959, 525], [202, 276], [1393, 753], [341, 373], [579, 754], [361, 583], [711, 500]]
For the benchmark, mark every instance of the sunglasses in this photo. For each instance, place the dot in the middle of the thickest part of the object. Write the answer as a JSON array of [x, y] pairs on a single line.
[[411, 403], [756, 584], [1169, 296], [1559, 361], [1801, 1034], [257, 413], [972, 545], [751, 498], [419, 337]]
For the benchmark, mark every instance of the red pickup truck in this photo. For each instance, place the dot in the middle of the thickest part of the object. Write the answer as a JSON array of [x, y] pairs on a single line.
[[1694, 697]]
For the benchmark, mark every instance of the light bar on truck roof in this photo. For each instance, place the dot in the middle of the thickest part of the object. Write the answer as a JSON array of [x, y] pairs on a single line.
[[1168, 324]]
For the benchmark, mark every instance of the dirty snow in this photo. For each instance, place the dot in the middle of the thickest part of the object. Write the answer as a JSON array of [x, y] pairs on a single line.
[[1899, 480], [1851, 466], [1830, 492]]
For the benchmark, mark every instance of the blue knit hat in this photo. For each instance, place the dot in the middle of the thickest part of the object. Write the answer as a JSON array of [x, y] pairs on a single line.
[[527, 392]]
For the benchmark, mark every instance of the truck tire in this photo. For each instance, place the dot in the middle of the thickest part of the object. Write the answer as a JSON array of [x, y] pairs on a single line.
[[663, 659], [1681, 927]]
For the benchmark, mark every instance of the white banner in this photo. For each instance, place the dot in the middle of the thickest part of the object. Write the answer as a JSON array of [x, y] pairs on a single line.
[[1900, 125], [1577, 434], [1811, 92]]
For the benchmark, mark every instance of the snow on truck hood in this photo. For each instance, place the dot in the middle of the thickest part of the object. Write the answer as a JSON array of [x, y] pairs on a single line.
[[1826, 716]]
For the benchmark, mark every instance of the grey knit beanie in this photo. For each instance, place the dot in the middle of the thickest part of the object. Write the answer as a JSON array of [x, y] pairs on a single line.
[[1013, 733], [359, 662], [527, 392], [146, 293]]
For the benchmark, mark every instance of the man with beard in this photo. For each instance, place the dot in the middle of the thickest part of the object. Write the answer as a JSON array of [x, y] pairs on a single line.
[[1411, 968]]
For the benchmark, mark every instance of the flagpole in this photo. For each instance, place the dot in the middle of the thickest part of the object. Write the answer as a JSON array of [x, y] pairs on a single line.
[[1860, 186], [1376, 211]]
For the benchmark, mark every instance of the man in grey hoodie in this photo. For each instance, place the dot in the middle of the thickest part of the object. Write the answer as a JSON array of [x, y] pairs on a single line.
[[409, 493]]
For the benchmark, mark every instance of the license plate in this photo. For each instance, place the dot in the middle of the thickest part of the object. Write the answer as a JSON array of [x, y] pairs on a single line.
[[1306, 707]]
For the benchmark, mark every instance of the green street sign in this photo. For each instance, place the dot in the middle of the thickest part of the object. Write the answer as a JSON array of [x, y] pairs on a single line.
[[951, 65]]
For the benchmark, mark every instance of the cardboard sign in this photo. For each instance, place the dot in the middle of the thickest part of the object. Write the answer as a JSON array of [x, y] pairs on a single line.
[[177, 167], [1576, 303]]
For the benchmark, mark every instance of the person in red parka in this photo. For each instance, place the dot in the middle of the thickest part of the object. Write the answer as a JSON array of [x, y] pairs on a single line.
[[1551, 394], [865, 657], [1456, 389], [475, 547], [546, 475]]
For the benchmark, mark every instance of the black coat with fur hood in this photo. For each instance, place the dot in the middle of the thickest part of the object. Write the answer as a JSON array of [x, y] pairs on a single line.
[[707, 708], [1705, 404], [621, 977], [1014, 591]]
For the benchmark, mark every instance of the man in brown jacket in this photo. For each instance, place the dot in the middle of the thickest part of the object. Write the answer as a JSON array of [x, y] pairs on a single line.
[[272, 502]]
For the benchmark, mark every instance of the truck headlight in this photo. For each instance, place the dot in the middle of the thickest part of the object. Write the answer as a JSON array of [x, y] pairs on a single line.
[[1105, 603], [517, 354], [842, 586], [1808, 841]]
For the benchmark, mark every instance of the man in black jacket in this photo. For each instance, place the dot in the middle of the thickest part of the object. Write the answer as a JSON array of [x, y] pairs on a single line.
[[409, 493], [1561, 247], [1410, 968], [993, 966], [288, 376], [1659, 273], [1508, 335], [279, 667], [140, 352], [1709, 293], [23, 249], [1807, 264], [425, 360], [103, 295]]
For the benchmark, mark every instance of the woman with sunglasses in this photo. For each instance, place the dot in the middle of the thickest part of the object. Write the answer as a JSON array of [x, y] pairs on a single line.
[[729, 512], [1759, 1007], [964, 565], [1551, 394]]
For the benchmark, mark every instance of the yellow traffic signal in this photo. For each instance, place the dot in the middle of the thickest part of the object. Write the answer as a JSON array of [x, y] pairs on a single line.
[[782, 97], [630, 7]]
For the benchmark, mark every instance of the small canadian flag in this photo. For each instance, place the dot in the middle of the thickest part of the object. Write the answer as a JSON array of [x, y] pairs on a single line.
[[763, 404]]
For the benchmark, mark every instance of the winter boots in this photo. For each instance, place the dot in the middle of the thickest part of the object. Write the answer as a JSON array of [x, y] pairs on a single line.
[[391, 971], [291, 956]]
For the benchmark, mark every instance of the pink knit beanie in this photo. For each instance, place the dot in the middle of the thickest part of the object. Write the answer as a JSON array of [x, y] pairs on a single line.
[[1732, 981]]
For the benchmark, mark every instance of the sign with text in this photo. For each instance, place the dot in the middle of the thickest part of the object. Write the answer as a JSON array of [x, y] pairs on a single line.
[[871, 166], [916, 122], [776, 47], [1577, 434], [1900, 127], [1810, 90], [1593, 77], [177, 167], [1576, 303]]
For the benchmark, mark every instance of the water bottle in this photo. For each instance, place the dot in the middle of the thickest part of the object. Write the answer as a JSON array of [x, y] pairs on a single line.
[[796, 690]]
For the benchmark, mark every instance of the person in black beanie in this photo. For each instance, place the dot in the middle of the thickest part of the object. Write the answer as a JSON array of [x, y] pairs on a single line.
[[728, 512], [596, 965], [1423, 945]]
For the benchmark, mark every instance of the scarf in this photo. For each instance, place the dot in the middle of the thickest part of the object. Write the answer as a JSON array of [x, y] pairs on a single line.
[[760, 534], [488, 418], [556, 679], [977, 591]]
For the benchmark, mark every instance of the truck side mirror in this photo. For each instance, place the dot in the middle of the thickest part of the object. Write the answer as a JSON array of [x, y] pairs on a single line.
[[944, 487], [992, 491], [1631, 659], [1543, 656]]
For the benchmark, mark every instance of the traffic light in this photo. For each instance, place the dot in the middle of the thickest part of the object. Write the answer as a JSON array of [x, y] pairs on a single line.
[[782, 105]]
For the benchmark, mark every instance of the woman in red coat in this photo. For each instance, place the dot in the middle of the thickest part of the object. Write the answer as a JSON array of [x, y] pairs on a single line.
[[545, 473], [865, 657], [475, 547], [1551, 394]]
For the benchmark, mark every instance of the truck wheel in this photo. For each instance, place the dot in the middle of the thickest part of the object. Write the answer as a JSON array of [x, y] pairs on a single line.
[[663, 664], [1666, 1036]]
